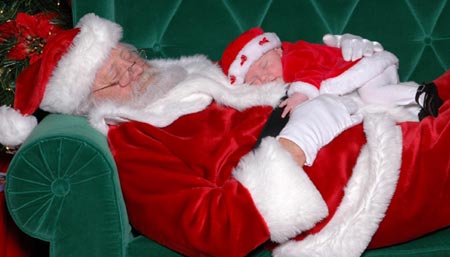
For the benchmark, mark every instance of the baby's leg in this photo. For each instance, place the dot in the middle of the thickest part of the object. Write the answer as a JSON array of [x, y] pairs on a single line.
[[390, 94], [401, 94], [386, 89]]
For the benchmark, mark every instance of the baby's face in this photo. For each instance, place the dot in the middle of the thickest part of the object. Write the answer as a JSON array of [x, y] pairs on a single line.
[[266, 69]]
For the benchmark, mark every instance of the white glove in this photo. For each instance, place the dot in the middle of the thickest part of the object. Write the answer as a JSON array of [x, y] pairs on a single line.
[[315, 123], [353, 47]]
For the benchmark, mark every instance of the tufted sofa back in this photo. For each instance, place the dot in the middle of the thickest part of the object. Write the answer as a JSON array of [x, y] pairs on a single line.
[[63, 185], [416, 31]]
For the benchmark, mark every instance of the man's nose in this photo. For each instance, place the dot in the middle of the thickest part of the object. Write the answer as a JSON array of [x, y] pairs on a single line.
[[132, 73]]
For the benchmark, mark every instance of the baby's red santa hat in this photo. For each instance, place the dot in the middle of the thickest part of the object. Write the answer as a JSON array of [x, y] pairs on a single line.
[[242, 52], [60, 81]]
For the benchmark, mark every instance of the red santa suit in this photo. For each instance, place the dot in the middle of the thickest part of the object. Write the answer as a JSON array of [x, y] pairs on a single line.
[[195, 185]]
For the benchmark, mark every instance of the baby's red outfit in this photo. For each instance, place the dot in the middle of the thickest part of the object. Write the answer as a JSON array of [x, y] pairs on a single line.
[[313, 68]]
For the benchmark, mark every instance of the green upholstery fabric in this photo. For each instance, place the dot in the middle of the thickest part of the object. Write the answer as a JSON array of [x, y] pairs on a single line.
[[415, 30], [434, 245], [62, 185], [63, 188]]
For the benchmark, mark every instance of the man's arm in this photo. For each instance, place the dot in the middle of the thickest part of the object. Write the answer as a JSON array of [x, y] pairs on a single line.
[[315, 123], [179, 191], [295, 151], [353, 47]]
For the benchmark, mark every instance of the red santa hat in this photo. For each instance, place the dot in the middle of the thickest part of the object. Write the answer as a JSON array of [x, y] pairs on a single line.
[[60, 81], [242, 52]]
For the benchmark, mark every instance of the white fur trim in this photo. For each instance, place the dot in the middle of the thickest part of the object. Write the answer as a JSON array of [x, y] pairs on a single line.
[[281, 190], [204, 83], [366, 198], [74, 74], [14, 127], [305, 88], [366, 69], [253, 51]]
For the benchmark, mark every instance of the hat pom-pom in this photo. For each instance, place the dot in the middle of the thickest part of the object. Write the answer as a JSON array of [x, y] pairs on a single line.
[[14, 127]]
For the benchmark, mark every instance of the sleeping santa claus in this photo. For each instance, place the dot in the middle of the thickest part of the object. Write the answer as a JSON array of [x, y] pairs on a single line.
[[194, 178]]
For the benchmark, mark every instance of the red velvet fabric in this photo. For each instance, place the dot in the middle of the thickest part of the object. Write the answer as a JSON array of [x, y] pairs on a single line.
[[312, 63], [421, 203], [333, 168], [177, 181], [179, 191], [13, 242]]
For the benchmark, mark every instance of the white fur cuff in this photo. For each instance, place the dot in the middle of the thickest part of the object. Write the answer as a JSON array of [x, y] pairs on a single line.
[[72, 78], [305, 88], [282, 192]]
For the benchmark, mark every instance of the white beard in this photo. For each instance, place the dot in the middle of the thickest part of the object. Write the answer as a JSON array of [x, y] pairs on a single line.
[[161, 82], [178, 87]]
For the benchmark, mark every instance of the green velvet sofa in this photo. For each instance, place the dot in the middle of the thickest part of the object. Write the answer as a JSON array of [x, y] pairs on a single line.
[[62, 185]]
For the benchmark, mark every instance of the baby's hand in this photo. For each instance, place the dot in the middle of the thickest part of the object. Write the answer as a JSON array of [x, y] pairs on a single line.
[[293, 101]]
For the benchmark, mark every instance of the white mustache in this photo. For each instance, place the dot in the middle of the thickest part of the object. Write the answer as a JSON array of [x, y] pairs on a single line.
[[154, 83]]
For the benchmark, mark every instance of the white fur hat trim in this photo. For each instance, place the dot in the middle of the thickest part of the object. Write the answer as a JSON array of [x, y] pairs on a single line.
[[74, 74]]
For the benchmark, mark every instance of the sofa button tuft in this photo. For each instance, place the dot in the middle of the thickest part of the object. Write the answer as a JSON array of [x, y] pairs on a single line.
[[60, 187], [156, 47]]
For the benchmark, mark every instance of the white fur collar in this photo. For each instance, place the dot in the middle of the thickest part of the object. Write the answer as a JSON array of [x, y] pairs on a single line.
[[205, 82]]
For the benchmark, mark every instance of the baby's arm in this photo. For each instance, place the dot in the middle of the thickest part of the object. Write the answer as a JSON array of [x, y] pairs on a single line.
[[291, 102]]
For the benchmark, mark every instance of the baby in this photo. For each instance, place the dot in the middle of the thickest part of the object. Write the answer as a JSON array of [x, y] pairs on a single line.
[[256, 58]]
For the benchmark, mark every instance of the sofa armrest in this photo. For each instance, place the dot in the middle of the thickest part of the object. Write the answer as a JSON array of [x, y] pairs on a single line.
[[62, 187]]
